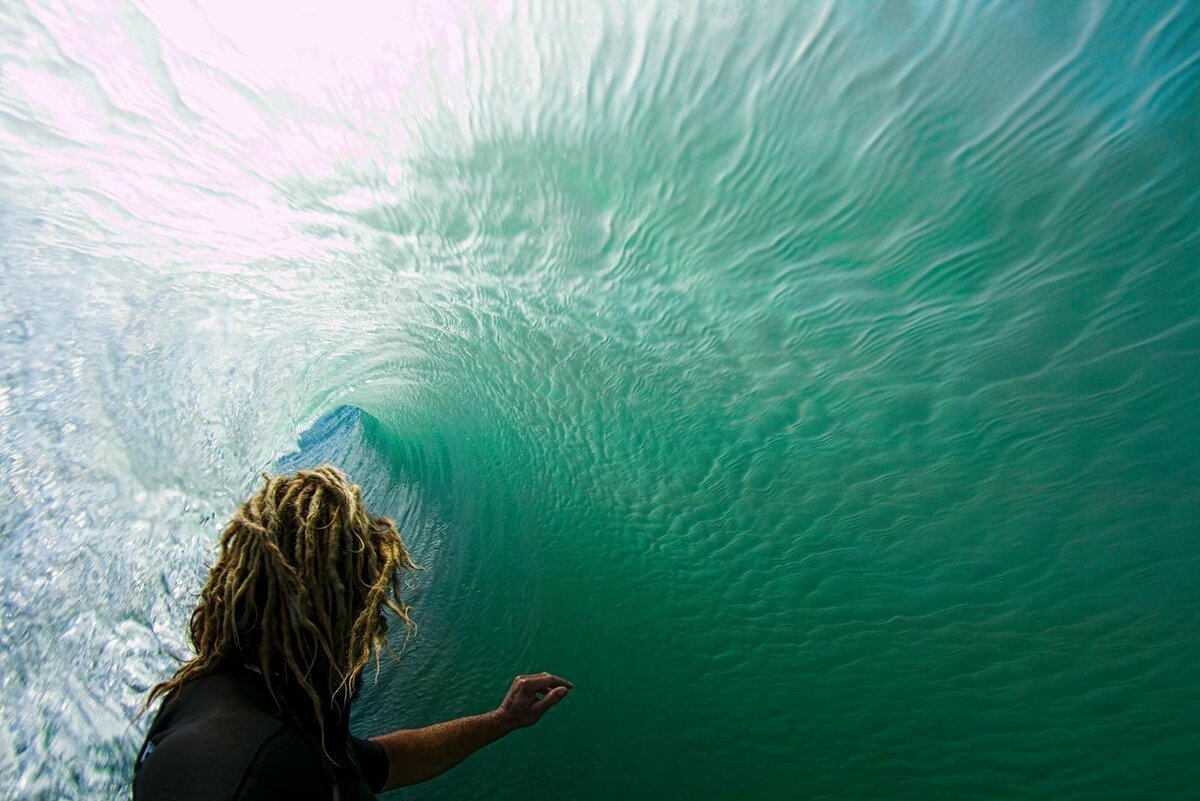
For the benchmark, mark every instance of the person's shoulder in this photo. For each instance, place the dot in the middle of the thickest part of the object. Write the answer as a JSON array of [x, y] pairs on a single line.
[[220, 737], [250, 759], [285, 767], [202, 758]]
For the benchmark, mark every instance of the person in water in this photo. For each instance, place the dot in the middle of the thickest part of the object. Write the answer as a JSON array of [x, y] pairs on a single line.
[[292, 613]]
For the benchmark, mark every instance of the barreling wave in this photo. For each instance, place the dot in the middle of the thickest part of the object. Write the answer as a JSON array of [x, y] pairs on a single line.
[[811, 382]]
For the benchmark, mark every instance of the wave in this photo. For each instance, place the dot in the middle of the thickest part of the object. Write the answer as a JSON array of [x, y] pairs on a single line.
[[810, 383]]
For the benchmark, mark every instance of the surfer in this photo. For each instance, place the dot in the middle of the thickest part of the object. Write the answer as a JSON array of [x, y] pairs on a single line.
[[292, 612]]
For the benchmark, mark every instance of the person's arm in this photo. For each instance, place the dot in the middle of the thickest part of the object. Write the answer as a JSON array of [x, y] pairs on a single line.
[[416, 755]]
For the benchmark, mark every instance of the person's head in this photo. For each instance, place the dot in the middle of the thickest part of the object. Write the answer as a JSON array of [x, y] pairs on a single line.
[[299, 588]]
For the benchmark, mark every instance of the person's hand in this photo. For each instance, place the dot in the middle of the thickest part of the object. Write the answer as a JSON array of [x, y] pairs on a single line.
[[529, 697]]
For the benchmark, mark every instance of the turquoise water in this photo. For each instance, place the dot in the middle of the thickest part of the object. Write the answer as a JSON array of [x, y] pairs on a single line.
[[813, 384]]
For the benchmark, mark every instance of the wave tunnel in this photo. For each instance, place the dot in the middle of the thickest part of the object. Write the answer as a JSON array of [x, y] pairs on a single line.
[[814, 384]]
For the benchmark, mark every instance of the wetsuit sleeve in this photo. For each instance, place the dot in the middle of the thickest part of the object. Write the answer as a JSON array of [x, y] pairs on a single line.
[[372, 762]]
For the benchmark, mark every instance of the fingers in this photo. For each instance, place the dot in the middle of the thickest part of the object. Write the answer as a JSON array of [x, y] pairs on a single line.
[[530, 696], [550, 699], [542, 682]]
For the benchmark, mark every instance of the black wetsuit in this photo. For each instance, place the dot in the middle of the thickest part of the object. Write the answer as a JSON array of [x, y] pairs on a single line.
[[223, 737]]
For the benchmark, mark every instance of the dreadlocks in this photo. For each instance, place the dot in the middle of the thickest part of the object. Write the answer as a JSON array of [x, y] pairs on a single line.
[[298, 589]]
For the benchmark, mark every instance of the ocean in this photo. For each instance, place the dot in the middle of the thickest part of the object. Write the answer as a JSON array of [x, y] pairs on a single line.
[[814, 384]]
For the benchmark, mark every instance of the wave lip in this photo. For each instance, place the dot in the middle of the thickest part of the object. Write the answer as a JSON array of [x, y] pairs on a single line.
[[811, 384]]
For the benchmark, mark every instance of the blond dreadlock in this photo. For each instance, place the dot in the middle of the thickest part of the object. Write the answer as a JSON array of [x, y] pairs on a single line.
[[299, 587]]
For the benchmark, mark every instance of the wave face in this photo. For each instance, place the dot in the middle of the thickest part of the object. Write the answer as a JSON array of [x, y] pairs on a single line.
[[814, 384]]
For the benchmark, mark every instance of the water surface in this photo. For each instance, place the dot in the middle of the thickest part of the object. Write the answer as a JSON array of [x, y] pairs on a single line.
[[813, 384]]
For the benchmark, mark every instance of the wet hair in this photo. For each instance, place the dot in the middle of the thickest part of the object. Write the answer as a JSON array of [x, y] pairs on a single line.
[[299, 590]]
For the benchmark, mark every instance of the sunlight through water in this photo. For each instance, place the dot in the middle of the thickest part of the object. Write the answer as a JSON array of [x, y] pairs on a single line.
[[814, 384]]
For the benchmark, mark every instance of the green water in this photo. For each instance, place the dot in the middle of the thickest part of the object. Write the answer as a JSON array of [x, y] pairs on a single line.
[[815, 386], [850, 447]]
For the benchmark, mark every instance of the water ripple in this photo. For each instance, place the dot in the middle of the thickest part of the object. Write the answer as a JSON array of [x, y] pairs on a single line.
[[812, 383]]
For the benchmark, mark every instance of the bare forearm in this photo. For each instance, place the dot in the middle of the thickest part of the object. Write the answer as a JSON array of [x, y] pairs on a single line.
[[416, 755]]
